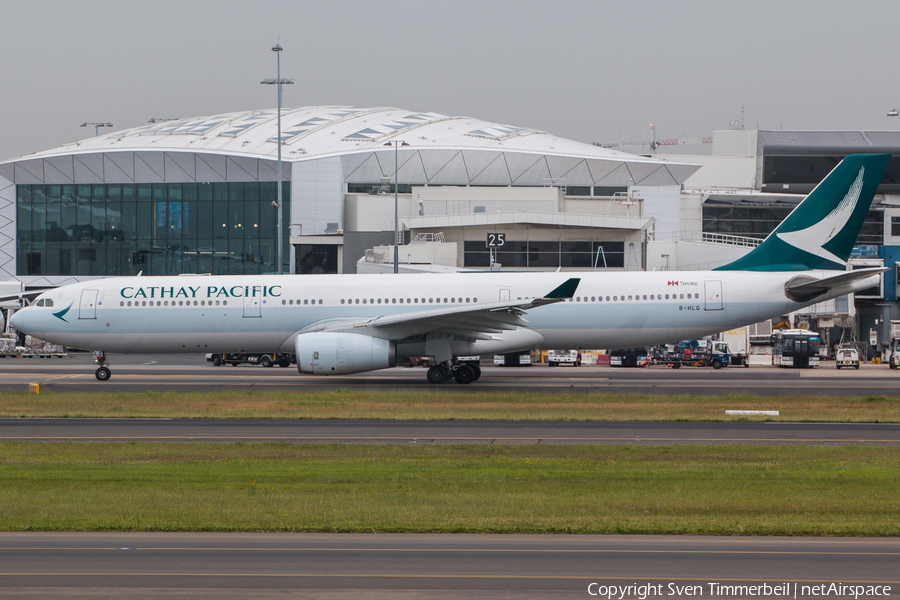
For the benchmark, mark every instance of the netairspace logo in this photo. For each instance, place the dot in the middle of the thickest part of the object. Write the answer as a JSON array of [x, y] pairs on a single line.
[[719, 590]]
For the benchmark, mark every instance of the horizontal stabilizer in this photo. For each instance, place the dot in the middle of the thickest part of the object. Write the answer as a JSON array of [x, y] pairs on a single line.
[[804, 289]]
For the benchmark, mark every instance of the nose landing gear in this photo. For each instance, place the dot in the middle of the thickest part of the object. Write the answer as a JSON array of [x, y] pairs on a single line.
[[102, 373]]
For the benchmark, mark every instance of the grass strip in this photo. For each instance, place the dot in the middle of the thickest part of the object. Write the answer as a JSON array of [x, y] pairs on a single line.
[[440, 404], [837, 491]]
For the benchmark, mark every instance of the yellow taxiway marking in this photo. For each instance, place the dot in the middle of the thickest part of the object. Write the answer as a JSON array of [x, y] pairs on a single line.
[[457, 550], [438, 576]]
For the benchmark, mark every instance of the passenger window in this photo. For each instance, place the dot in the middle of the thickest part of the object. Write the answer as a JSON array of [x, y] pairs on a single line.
[[645, 296], [467, 299], [667, 296], [629, 298], [342, 300], [122, 303], [615, 298], [445, 300], [379, 301], [393, 301], [682, 296], [651, 297], [320, 301], [407, 301]]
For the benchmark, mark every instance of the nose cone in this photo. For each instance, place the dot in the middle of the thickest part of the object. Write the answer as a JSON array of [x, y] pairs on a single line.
[[19, 320]]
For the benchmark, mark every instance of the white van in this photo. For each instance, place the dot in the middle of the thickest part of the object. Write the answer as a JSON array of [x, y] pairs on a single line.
[[846, 357]]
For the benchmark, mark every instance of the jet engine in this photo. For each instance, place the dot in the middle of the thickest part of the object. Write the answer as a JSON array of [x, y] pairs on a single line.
[[326, 353]]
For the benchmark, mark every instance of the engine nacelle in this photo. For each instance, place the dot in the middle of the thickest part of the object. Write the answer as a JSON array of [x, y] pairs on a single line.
[[325, 353]]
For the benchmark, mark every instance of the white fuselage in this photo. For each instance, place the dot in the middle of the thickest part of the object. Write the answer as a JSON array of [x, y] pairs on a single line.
[[265, 313]]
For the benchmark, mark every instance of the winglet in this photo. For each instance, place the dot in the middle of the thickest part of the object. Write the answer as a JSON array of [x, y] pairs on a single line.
[[564, 291]]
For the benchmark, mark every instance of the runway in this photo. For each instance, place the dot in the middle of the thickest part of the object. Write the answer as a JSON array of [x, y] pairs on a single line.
[[192, 373], [447, 432], [209, 565]]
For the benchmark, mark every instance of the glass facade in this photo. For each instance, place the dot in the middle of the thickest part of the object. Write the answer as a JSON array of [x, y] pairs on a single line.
[[553, 254], [760, 221], [157, 229]]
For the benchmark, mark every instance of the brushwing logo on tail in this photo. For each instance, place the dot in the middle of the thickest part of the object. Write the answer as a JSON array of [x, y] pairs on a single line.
[[813, 238]]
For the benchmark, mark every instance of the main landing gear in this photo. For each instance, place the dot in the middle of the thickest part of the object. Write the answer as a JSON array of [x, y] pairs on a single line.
[[462, 373], [102, 373]]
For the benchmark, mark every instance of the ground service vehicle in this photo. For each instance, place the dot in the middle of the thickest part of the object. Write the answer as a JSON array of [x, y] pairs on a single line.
[[894, 361], [563, 357], [338, 325], [718, 354], [266, 360], [699, 353], [629, 357], [514, 359], [738, 341], [846, 357], [797, 348]]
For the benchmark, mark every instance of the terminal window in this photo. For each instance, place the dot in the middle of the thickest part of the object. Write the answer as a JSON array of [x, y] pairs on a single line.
[[157, 229], [586, 254]]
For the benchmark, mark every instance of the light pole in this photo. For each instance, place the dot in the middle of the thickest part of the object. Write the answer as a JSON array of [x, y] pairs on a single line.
[[97, 127], [278, 81], [396, 144]]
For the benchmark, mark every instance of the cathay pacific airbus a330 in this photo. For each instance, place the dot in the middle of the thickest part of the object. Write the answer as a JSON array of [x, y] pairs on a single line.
[[341, 324]]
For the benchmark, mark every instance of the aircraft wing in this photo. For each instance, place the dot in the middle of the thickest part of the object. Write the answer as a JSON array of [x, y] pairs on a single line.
[[804, 288], [465, 322]]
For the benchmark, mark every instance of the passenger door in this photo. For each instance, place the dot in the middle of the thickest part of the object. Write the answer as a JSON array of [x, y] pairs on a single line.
[[713, 295], [251, 307], [88, 307]]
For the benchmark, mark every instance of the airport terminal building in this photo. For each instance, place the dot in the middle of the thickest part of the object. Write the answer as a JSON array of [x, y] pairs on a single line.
[[199, 196]]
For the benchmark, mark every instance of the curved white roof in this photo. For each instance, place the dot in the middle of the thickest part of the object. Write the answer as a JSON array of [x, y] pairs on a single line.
[[314, 132]]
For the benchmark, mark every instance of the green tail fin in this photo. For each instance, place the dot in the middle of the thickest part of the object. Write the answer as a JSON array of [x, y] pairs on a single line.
[[821, 231]]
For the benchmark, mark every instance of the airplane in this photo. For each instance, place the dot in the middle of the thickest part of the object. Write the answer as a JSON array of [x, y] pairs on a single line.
[[343, 324]]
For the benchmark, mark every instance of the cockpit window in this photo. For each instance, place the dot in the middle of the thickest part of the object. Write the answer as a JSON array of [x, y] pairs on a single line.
[[39, 302], [48, 302]]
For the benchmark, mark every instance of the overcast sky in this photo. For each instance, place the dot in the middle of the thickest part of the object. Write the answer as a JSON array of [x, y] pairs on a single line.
[[581, 69]]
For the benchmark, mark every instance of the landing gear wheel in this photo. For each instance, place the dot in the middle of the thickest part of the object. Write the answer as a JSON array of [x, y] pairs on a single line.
[[102, 374], [464, 374], [477, 370], [216, 360], [266, 361], [437, 374], [717, 364]]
